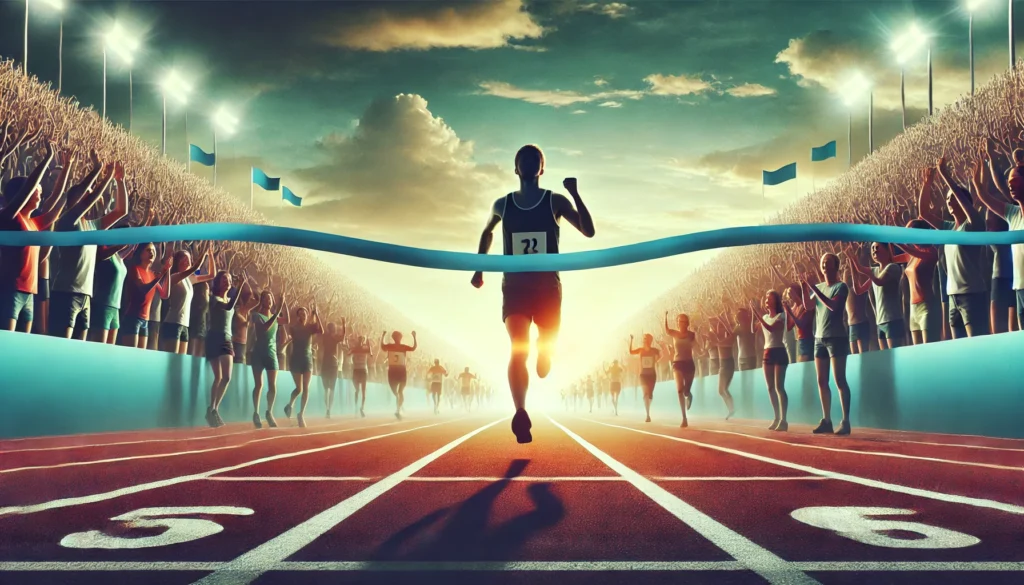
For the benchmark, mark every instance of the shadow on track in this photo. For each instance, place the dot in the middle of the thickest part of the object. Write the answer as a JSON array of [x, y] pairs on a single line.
[[466, 535]]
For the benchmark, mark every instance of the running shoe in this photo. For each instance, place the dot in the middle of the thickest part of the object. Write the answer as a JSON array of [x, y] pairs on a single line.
[[825, 426], [648, 419], [775, 424], [256, 421], [288, 410], [270, 420], [328, 414], [218, 419], [844, 428], [689, 401], [398, 415], [301, 420], [521, 426], [361, 413], [684, 425], [210, 420], [730, 415]]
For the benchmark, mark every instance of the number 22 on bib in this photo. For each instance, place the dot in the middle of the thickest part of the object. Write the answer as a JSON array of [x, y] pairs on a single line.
[[529, 243]]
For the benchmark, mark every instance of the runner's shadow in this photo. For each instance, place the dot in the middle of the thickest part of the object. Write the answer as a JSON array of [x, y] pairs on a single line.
[[466, 535]]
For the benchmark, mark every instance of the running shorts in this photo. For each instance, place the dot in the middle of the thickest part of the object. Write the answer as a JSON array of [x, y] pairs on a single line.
[[541, 304]]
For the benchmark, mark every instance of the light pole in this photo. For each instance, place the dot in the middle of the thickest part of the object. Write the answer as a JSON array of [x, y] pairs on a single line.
[[851, 92], [118, 41], [227, 123], [972, 7], [905, 46], [174, 85], [24, 52]]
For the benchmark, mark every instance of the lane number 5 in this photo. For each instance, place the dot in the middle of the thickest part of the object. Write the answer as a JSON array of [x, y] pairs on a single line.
[[177, 530]]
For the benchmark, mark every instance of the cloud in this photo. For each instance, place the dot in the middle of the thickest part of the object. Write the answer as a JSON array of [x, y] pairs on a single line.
[[555, 98], [610, 9], [824, 59], [403, 175], [750, 90], [600, 81], [677, 84], [422, 25], [611, 104], [579, 111], [530, 48]]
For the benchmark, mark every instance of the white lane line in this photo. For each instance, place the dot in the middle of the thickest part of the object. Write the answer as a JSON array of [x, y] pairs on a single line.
[[886, 436], [867, 453], [892, 487], [140, 442], [762, 561], [91, 499], [192, 452], [249, 566], [526, 478], [485, 566]]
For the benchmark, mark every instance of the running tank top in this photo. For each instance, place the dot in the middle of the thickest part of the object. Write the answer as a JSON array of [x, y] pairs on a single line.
[[532, 230], [359, 357], [435, 376], [266, 340], [684, 347], [220, 322], [396, 360], [179, 303], [647, 361], [302, 340]]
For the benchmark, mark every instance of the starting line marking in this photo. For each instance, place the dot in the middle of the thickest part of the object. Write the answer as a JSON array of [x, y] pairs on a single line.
[[774, 569], [892, 487], [91, 499], [248, 567], [527, 478], [532, 566]]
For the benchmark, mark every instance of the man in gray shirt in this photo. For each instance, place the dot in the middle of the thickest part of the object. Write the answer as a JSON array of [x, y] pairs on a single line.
[[76, 265]]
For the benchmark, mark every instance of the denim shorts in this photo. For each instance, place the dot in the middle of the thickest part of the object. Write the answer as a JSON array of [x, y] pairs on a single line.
[[970, 309], [16, 305], [892, 330], [831, 347]]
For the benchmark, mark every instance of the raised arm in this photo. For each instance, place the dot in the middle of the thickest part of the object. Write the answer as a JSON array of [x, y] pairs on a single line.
[[833, 304], [924, 197], [120, 200], [960, 194], [578, 216], [14, 207]]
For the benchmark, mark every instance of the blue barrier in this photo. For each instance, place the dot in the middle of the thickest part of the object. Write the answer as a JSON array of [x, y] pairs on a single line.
[[461, 261], [53, 386]]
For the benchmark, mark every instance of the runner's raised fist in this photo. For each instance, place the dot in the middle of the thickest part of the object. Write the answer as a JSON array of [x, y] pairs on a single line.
[[570, 185], [477, 280]]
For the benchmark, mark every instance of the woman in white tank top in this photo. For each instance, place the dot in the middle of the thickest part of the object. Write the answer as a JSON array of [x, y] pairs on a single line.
[[775, 357]]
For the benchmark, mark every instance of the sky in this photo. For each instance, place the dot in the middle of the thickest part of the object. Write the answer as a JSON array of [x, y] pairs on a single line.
[[398, 121]]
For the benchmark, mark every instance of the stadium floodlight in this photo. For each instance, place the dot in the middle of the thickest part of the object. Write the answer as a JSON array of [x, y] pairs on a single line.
[[174, 85], [972, 6], [226, 122], [118, 41], [855, 87], [905, 46], [57, 6]]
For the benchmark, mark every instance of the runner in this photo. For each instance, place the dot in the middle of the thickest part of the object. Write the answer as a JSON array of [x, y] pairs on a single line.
[[329, 361], [301, 365], [218, 341], [530, 225], [649, 357], [615, 383], [588, 385], [683, 367], [831, 343], [775, 357], [397, 373], [437, 373], [466, 381], [264, 355], [361, 354]]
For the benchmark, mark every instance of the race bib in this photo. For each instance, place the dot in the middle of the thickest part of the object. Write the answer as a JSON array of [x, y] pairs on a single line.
[[436, 377], [647, 362], [529, 243], [396, 358]]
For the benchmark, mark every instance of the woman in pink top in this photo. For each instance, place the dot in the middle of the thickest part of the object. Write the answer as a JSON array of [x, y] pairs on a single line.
[[142, 284]]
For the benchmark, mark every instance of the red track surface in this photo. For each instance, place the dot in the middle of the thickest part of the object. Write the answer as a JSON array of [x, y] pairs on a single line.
[[591, 501]]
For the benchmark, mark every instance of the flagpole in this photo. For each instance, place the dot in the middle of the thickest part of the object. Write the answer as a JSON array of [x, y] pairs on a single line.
[[188, 146], [250, 187], [214, 155]]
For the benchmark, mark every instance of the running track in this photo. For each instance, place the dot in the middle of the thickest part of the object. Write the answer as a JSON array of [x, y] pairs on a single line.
[[455, 500]]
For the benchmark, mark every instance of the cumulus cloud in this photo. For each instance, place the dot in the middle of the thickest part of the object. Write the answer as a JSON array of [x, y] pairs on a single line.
[[423, 25], [600, 81], [677, 84], [579, 111], [611, 104], [403, 175], [553, 97], [750, 90]]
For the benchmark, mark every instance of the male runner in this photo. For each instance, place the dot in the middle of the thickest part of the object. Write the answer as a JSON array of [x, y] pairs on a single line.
[[466, 380], [361, 353], [436, 373], [398, 376], [615, 383], [530, 225]]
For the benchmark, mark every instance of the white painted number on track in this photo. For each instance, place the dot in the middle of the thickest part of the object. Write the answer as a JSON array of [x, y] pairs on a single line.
[[178, 530], [855, 523]]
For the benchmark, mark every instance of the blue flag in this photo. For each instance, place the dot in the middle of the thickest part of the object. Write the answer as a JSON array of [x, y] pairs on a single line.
[[290, 197], [200, 156], [824, 152], [786, 173], [261, 179]]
